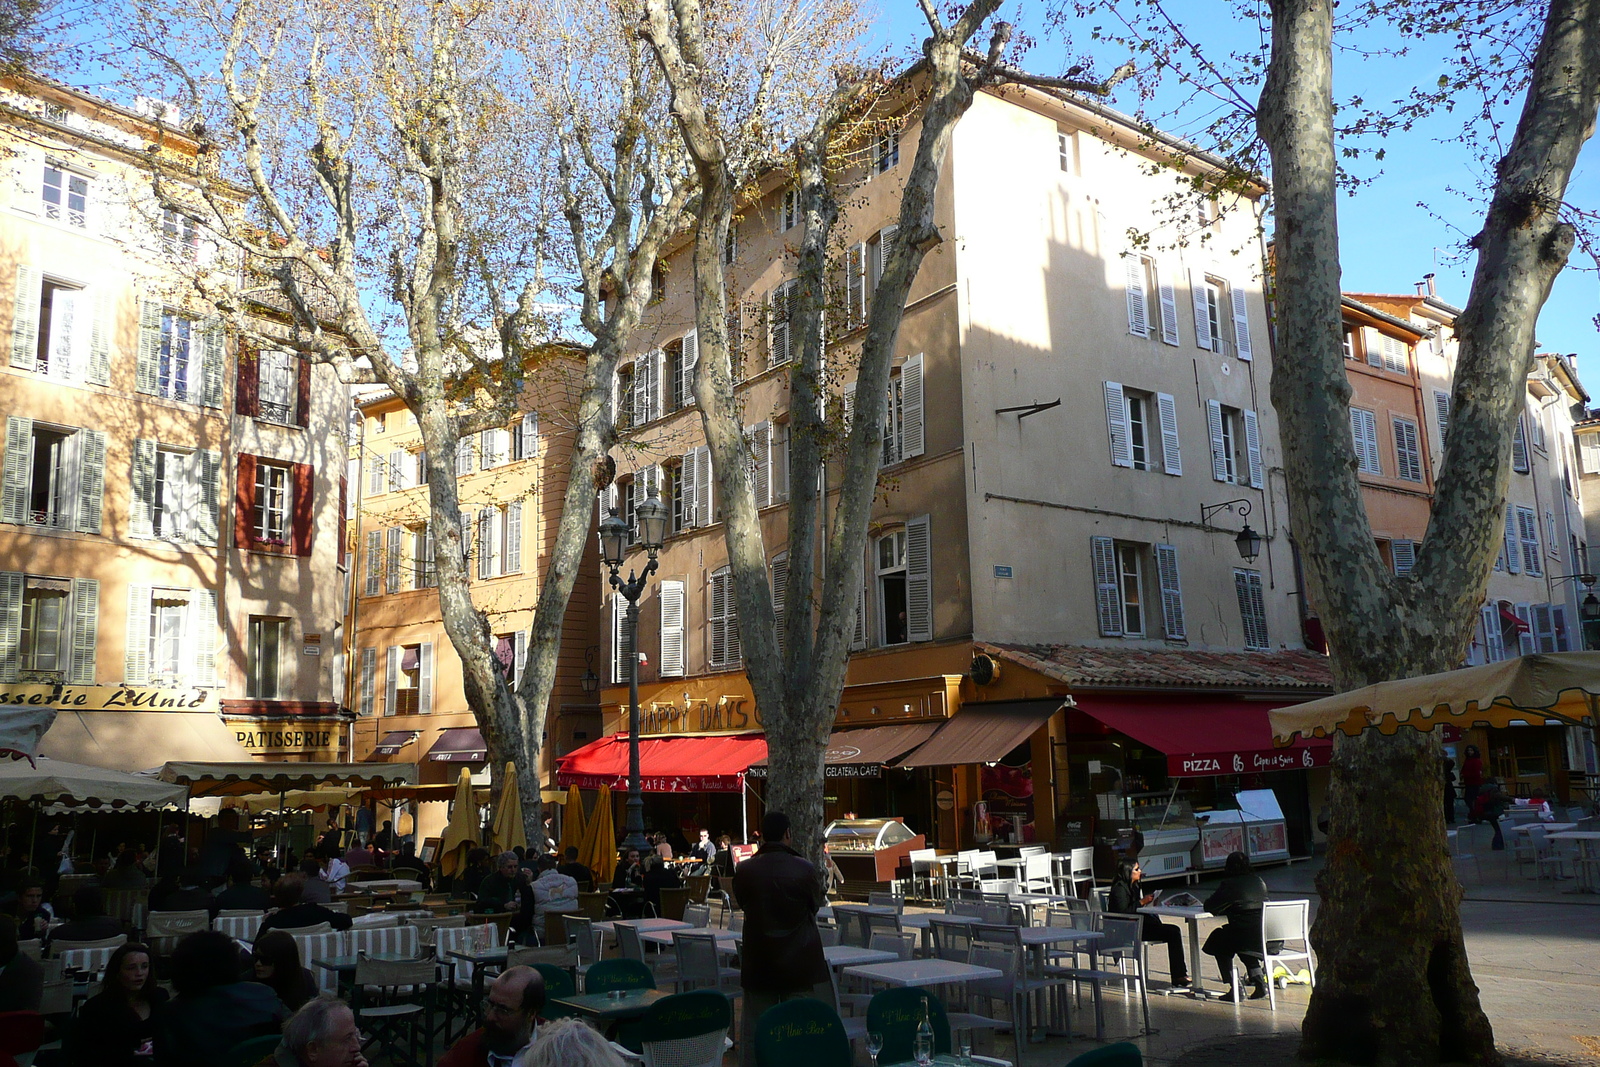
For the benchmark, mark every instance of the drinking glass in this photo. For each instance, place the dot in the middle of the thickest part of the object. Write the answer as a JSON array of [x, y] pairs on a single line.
[[874, 1046], [965, 1037], [923, 1050]]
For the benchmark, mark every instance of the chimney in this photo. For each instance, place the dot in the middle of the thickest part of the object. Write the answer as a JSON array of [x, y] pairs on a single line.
[[1429, 279]]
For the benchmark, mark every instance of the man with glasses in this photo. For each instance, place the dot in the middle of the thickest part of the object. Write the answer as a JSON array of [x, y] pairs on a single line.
[[510, 1009]]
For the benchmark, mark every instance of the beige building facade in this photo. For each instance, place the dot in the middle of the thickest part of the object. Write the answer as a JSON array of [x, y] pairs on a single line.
[[1071, 408], [170, 529]]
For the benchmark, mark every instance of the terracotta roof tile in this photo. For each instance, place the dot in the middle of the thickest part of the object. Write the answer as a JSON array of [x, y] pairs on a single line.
[[1083, 665]]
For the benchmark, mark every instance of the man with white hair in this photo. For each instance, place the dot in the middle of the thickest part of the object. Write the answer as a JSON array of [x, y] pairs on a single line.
[[321, 1034]]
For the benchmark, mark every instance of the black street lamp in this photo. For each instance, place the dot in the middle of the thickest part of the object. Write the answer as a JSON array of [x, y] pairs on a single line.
[[652, 519], [1247, 541]]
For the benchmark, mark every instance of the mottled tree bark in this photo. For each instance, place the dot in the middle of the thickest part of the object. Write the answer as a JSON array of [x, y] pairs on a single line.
[[1394, 985]]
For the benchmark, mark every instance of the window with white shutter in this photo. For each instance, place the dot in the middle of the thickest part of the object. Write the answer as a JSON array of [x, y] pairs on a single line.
[[391, 580], [1364, 430], [1108, 602], [1117, 425], [1241, 322], [1527, 641], [758, 444], [377, 476], [919, 580], [1222, 467], [780, 594], [1519, 447], [1441, 412], [1589, 452], [855, 285], [620, 649], [464, 456], [1171, 455], [1252, 448], [54, 476], [789, 210], [1493, 634], [1528, 534], [683, 492], [1133, 268], [1407, 450], [722, 619], [1544, 629], [1404, 555], [780, 338], [685, 359], [673, 602], [374, 562], [397, 467], [512, 552], [1207, 311], [391, 681], [369, 681], [525, 440], [1513, 547], [880, 248], [1252, 609], [911, 414], [48, 629], [1171, 592], [1167, 298]]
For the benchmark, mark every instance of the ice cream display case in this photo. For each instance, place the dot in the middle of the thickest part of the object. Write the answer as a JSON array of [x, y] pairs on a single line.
[[1256, 828], [870, 850], [1165, 822]]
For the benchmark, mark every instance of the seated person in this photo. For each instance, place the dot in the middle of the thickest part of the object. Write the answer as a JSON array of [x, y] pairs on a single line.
[[562, 1042], [32, 914], [704, 849], [502, 890], [359, 856], [629, 876], [477, 870], [335, 871], [1239, 899], [576, 871], [663, 847], [658, 876], [125, 873], [514, 1000], [386, 840], [294, 912], [317, 890], [1127, 897], [275, 957], [551, 891], [117, 1025], [21, 976], [322, 1033], [213, 1010], [722, 863], [242, 892], [187, 896], [89, 920]]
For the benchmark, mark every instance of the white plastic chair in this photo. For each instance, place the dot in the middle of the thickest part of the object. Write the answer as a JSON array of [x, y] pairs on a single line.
[[1288, 921], [1036, 876], [925, 871]]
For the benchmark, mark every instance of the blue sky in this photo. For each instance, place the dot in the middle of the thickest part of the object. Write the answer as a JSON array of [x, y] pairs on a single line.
[[1387, 241]]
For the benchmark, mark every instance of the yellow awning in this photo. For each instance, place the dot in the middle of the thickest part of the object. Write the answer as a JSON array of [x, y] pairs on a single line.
[[1564, 686], [140, 740]]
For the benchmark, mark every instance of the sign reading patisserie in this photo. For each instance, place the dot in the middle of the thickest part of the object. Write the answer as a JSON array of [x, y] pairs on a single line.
[[108, 697]]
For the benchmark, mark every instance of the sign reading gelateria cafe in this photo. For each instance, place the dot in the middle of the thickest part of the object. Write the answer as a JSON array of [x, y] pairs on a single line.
[[108, 697]]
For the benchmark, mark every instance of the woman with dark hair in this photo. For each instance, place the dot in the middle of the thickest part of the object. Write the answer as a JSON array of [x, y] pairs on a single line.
[[213, 1010], [276, 959], [1239, 899], [117, 1026], [1127, 897]]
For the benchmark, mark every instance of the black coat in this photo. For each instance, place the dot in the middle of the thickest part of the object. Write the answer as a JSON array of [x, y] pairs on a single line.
[[780, 892], [108, 1032], [306, 915]]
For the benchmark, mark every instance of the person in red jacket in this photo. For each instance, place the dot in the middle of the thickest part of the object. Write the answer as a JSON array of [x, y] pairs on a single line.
[[510, 1007], [1471, 780]]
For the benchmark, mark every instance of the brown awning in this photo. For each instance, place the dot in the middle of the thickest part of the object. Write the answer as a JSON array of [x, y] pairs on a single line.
[[461, 744], [982, 733], [393, 741], [243, 779], [140, 740], [863, 753]]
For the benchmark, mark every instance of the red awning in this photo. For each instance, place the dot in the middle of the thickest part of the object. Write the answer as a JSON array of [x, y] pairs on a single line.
[[1206, 737], [460, 744], [392, 742], [666, 764]]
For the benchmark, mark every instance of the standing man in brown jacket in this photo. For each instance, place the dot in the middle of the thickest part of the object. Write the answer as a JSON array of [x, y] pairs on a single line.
[[781, 958]]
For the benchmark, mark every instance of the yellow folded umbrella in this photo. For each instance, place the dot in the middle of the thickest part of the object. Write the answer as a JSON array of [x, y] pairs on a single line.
[[572, 825], [507, 831], [1564, 686], [461, 835], [599, 849]]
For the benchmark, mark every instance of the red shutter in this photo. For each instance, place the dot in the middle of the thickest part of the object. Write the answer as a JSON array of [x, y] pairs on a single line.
[[247, 395], [302, 393], [244, 503], [344, 523], [303, 480]]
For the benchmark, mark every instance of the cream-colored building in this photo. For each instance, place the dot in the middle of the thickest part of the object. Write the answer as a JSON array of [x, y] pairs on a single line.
[[1067, 403], [407, 690], [170, 528]]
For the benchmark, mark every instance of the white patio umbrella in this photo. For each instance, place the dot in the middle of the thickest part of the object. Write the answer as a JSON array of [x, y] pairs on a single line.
[[57, 782]]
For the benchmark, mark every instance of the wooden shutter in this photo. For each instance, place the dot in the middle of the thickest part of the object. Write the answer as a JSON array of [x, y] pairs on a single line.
[[377, 477], [374, 562], [686, 491], [207, 526], [919, 580], [758, 439], [672, 628], [1202, 309], [1527, 642], [1169, 310], [519, 654], [1441, 411], [1117, 425], [1241, 322], [302, 494], [302, 391], [1252, 448], [1528, 528], [147, 364], [425, 678], [463, 456], [702, 487], [1519, 447], [14, 491], [779, 335], [619, 638], [391, 570], [1493, 642], [391, 679], [886, 238], [688, 362], [136, 637], [529, 430], [247, 381], [780, 593], [1372, 344], [911, 416], [25, 319], [858, 631], [513, 546], [1252, 609], [1404, 554], [11, 585], [1558, 618], [1544, 631], [143, 489], [1219, 446], [731, 622], [214, 358], [486, 517], [200, 617], [1108, 604], [85, 626], [369, 680], [1513, 550], [101, 331], [1407, 450], [856, 283], [399, 477], [91, 479], [1138, 300], [1171, 592], [717, 616], [244, 501], [1171, 456]]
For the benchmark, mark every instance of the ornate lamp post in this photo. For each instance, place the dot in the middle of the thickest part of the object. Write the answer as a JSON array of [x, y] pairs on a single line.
[[652, 519]]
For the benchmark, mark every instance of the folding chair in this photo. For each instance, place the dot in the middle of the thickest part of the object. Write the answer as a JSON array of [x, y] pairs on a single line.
[[59, 948], [393, 1003], [238, 927]]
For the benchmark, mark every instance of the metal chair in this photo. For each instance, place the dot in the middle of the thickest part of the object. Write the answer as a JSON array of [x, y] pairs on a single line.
[[887, 900], [1122, 940], [699, 957], [1283, 921], [1001, 949], [399, 1016], [1036, 874], [903, 945], [951, 941], [697, 915], [1080, 869]]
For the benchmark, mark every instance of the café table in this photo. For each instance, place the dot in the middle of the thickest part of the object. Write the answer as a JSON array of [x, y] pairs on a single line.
[[608, 1009], [1549, 827], [1588, 858], [921, 974], [854, 956], [489, 956], [382, 885], [644, 926], [1191, 915]]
